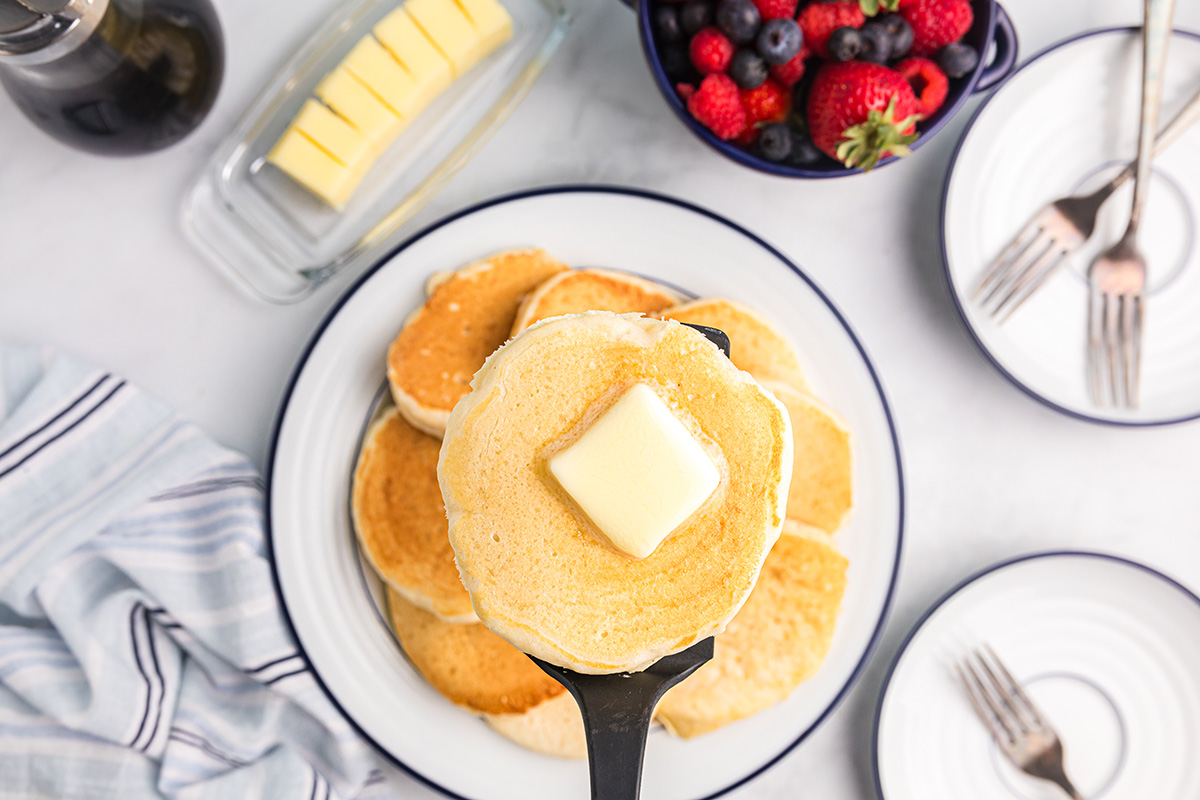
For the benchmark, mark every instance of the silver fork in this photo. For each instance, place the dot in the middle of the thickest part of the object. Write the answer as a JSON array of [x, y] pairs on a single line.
[[1058, 230], [1015, 723], [1117, 277]]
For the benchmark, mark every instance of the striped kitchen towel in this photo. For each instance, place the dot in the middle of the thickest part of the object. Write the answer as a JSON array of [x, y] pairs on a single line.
[[143, 652]]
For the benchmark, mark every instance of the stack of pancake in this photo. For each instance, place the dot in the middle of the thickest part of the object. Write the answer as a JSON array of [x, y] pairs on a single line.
[[776, 641]]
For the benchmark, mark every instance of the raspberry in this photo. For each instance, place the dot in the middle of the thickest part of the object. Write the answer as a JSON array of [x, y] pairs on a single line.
[[936, 23], [929, 83], [768, 103], [777, 9], [789, 74], [818, 20], [711, 51], [718, 107]]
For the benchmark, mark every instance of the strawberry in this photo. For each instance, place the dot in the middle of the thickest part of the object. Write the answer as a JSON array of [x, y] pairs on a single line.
[[789, 74], [859, 113], [777, 9], [936, 23], [928, 82], [711, 51], [717, 105], [818, 20], [768, 103]]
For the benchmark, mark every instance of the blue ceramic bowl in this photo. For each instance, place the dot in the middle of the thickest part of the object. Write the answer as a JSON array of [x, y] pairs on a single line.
[[992, 27]]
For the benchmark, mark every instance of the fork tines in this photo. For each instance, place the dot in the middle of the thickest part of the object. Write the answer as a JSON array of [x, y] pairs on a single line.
[[1114, 355], [1028, 261], [997, 697]]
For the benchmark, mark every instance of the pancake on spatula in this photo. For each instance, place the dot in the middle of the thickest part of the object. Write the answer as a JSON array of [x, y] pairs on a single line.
[[820, 494], [542, 571], [468, 664], [553, 728], [592, 290], [467, 316], [755, 344], [776, 642], [398, 515]]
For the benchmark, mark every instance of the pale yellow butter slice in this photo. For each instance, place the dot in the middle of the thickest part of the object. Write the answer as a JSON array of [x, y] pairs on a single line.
[[408, 45], [449, 29], [491, 20], [315, 169], [346, 95], [637, 472], [372, 64], [332, 133]]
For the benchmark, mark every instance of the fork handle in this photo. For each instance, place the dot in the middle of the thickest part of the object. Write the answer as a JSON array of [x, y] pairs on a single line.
[[1166, 137], [1156, 35]]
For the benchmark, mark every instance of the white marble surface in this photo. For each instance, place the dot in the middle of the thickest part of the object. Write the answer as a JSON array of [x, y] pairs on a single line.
[[92, 260]]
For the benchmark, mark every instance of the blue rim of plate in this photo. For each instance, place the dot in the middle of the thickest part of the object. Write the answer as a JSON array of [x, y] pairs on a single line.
[[993, 16], [983, 573], [958, 305], [855, 674]]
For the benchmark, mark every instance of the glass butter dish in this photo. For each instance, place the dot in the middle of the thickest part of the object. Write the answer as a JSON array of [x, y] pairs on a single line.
[[275, 237]]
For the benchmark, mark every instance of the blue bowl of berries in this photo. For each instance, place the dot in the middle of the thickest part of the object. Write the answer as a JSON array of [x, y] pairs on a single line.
[[822, 88]]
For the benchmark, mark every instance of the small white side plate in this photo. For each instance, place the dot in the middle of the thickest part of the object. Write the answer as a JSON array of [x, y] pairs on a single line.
[[1067, 121], [316, 561], [1107, 648]]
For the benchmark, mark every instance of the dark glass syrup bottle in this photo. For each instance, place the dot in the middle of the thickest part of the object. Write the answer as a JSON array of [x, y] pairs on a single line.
[[116, 77]]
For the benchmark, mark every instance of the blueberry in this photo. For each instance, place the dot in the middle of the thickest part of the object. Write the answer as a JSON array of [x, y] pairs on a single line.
[[901, 33], [844, 44], [739, 20], [666, 25], [779, 41], [695, 16], [677, 64], [957, 59], [876, 43], [775, 141], [804, 152], [748, 69]]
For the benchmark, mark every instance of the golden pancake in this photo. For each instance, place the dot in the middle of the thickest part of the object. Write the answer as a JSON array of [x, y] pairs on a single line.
[[820, 494], [538, 573], [592, 290], [398, 515], [776, 642], [553, 728], [471, 666], [754, 343], [467, 316]]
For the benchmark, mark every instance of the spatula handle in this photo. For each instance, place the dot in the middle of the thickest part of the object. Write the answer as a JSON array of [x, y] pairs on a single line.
[[617, 710]]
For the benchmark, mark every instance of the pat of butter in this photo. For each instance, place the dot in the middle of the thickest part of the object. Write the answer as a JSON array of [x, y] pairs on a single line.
[[314, 168], [332, 134], [357, 105], [637, 472], [449, 29], [372, 64], [408, 45], [491, 20]]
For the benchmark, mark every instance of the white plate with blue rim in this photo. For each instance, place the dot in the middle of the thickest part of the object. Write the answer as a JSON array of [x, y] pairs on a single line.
[[318, 570], [1066, 121], [1108, 649]]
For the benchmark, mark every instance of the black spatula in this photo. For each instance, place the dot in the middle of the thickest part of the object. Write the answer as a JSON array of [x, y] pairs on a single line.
[[616, 714], [617, 709]]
